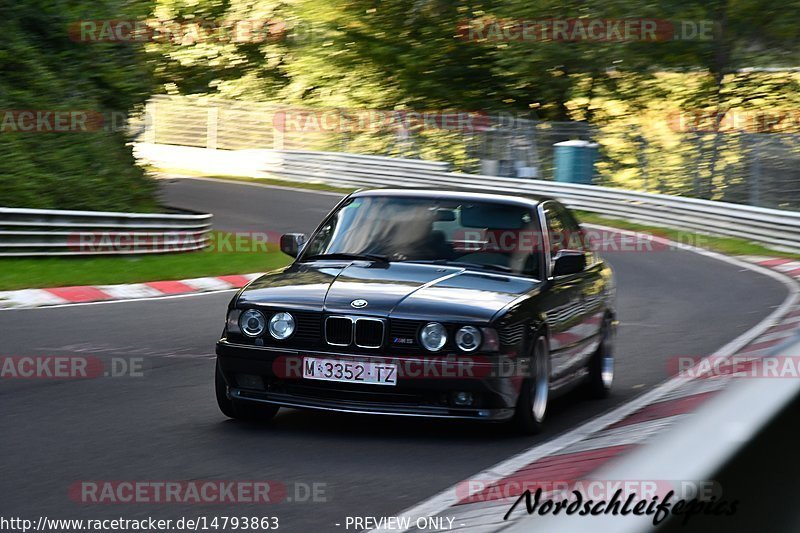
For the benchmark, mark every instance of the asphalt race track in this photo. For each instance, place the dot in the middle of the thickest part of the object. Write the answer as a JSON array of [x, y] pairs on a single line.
[[165, 426]]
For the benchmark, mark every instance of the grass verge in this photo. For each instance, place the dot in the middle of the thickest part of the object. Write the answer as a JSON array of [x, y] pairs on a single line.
[[27, 273], [725, 245]]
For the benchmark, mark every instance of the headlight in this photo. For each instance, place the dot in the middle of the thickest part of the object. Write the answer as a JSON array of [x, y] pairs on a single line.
[[281, 325], [252, 323], [433, 336], [468, 338]]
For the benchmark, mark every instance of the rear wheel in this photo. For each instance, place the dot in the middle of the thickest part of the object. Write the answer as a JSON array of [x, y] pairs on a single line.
[[601, 366], [237, 409], [532, 403]]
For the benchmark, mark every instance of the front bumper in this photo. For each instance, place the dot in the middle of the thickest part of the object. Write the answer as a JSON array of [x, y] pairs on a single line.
[[259, 374]]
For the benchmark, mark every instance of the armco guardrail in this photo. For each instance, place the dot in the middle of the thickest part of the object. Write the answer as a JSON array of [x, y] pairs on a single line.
[[47, 232], [771, 227]]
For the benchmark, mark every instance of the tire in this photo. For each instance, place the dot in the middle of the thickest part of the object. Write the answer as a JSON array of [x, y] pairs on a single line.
[[531, 407], [239, 410], [601, 365]]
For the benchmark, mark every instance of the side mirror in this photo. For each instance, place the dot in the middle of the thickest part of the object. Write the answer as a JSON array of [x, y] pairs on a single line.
[[292, 243], [569, 262]]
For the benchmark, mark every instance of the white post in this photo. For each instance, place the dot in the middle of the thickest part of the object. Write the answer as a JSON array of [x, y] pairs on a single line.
[[150, 122], [277, 133], [211, 128]]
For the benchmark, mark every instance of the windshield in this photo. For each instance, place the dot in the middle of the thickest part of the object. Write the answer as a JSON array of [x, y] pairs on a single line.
[[477, 234]]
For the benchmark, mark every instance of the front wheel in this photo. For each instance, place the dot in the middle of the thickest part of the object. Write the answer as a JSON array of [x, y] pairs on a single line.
[[237, 409], [601, 366], [532, 403]]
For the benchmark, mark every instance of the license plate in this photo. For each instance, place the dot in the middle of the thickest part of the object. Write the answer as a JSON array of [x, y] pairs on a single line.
[[349, 371]]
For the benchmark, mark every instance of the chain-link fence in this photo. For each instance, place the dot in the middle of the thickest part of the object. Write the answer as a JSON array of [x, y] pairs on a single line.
[[761, 169]]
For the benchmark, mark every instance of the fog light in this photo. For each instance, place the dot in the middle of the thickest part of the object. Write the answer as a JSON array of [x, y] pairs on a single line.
[[462, 399], [249, 381]]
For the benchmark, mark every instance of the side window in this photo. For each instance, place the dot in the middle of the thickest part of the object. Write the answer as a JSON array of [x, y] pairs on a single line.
[[575, 239], [322, 239], [555, 229], [569, 235]]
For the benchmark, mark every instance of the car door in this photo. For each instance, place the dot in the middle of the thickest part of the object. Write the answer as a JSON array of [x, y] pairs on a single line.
[[592, 284], [564, 303]]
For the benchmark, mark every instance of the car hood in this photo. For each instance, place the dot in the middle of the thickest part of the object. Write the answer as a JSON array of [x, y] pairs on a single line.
[[399, 290]]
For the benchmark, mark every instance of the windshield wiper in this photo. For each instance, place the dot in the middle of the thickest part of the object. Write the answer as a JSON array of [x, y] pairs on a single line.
[[348, 256], [500, 268]]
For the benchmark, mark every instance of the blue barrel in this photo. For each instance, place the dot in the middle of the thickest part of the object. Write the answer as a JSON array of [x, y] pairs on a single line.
[[575, 161]]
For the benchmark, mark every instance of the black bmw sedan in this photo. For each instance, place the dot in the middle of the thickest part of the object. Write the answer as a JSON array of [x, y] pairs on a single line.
[[424, 303]]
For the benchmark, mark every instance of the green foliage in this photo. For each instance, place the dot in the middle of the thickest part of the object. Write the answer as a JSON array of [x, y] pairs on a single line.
[[725, 245], [399, 55], [395, 55], [21, 273], [42, 68]]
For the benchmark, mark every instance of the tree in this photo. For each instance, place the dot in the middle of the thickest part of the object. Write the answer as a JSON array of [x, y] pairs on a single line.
[[45, 69]]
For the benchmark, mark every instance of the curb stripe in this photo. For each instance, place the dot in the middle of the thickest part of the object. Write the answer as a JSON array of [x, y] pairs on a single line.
[[79, 294], [774, 262], [788, 267], [29, 297], [235, 281], [126, 292], [568, 467], [207, 284], [665, 409], [787, 327], [765, 344], [170, 287], [134, 290]]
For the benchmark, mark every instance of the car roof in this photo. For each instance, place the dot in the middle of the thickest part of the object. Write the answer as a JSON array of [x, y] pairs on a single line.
[[452, 194]]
